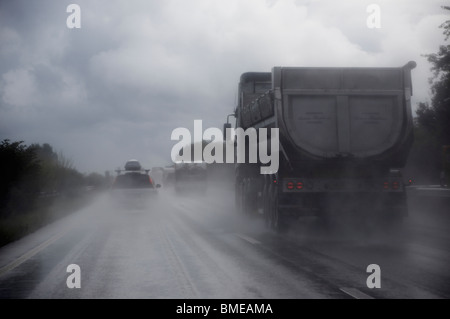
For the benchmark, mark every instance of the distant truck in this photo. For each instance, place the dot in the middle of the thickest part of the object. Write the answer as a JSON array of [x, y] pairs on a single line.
[[191, 177], [169, 176], [344, 136]]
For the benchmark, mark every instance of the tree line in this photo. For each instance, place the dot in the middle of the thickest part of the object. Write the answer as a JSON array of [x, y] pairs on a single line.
[[429, 159], [30, 173]]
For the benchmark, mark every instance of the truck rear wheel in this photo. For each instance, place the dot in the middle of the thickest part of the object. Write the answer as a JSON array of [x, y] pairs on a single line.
[[239, 197], [266, 203], [278, 220], [245, 196]]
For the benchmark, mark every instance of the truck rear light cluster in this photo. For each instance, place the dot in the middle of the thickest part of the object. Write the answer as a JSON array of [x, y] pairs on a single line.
[[294, 185], [393, 185]]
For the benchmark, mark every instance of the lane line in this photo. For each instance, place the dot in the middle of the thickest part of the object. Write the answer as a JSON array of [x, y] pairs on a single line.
[[32, 252], [178, 267], [355, 293], [248, 239]]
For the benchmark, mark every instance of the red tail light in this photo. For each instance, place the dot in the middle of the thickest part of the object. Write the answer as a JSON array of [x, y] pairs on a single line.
[[395, 185], [290, 185], [299, 185], [386, 185]]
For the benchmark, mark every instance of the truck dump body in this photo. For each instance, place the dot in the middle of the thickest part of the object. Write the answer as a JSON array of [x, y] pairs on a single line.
[[326, 113], [344, 135]]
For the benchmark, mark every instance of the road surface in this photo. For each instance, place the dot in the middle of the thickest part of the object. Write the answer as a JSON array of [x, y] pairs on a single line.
[[196, 247]]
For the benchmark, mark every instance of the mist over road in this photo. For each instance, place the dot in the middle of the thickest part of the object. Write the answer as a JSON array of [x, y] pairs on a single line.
[[196, 246]]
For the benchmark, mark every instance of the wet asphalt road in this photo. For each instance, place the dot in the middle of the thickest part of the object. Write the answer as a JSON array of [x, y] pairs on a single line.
[[196, 246]]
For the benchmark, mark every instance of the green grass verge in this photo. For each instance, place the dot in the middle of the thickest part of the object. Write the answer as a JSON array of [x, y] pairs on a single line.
[[46, 210]]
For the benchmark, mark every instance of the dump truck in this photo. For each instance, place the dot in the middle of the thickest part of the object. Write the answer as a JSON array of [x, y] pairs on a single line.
[[344, 136]]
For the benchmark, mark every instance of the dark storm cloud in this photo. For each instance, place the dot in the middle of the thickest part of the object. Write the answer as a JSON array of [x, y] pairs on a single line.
[[116, 88]]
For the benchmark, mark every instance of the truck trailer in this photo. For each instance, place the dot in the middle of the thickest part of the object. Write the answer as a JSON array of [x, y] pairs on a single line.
[[344, 136]]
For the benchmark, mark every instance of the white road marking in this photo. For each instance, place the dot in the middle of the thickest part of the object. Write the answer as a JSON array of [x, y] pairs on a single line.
[[355, 293], [248, 239]]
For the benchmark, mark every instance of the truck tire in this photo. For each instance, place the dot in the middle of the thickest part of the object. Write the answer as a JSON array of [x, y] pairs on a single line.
[[238, 197], [245, 196], [251, 196], [266, 202], [278, 221]]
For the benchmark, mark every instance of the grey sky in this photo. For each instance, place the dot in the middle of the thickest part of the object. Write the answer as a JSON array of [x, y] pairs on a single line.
[[116, 88]]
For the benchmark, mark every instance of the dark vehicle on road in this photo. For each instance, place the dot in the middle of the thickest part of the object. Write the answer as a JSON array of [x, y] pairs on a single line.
[[134, 187]]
